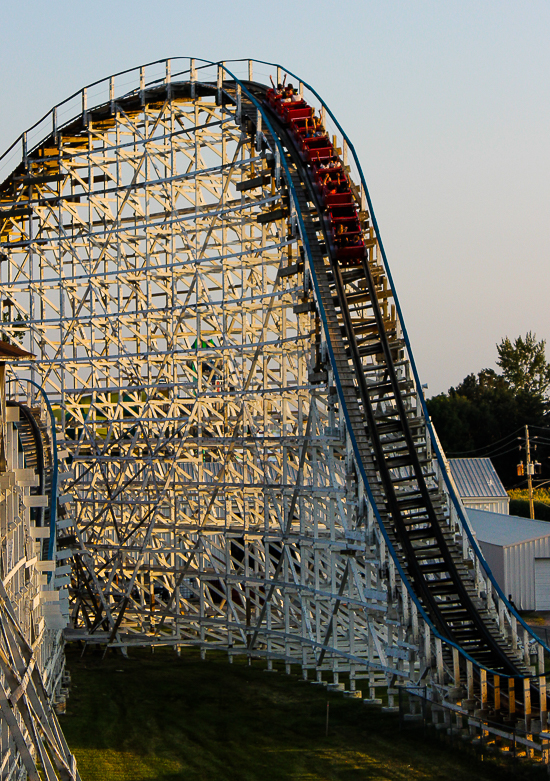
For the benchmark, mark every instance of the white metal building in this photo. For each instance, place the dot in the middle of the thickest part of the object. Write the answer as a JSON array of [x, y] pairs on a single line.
[[518, 552], [478, 484]]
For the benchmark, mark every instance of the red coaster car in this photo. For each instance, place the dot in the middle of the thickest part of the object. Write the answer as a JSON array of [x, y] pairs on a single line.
[[339, 198], [351, 254], [289, 110], [343, 212]]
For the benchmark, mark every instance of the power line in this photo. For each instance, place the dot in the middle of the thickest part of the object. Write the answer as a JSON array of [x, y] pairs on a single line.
[[502, 452], [486, 447], [541, 428], [492, 453]]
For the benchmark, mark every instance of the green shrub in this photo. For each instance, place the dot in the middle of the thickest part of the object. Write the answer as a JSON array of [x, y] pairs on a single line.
[[519, 503]]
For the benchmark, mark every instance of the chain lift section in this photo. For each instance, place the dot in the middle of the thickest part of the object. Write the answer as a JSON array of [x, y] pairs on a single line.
[[253, 466]]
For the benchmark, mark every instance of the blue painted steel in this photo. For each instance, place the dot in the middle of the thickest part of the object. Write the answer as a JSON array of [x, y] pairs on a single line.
[[455, 500], [434, 440]]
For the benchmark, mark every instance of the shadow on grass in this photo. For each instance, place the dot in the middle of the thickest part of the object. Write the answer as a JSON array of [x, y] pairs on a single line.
[[157, 716]]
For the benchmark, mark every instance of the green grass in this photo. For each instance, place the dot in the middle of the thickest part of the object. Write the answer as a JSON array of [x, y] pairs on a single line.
[[154, 716]]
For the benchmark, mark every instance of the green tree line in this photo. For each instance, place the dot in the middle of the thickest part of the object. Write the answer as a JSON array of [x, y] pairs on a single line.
[[484, 415]]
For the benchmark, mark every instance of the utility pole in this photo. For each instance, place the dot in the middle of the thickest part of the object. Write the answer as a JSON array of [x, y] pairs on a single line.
[[530, 470]]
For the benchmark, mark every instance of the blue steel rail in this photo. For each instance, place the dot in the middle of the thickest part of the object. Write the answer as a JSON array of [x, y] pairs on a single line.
[[250, 90], [506, 667]]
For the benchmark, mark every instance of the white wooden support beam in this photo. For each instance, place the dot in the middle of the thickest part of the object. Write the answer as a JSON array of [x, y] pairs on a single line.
[[427, 645], [470, 679], [439, 661], [168, 79], [192, 76], [259, 134], [220, 83], [526, 657], [514, 624], [277, 166], [142, 85]]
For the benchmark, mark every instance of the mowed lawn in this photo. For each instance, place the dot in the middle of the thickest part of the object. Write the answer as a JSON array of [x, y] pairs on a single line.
[[157, 716]]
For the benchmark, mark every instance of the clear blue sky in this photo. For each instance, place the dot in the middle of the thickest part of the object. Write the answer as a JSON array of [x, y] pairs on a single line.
[[447, 103]]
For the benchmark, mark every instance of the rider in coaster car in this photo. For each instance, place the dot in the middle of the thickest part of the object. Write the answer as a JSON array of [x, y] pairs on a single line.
[[277, 90], [319, 129], [328, 183], [290, 95]]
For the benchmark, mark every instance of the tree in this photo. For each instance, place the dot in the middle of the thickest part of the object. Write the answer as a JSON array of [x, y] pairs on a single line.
[[484, 414], [524, 366]]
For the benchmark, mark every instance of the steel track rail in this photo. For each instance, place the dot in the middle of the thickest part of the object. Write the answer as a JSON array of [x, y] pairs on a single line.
[[456, 616]]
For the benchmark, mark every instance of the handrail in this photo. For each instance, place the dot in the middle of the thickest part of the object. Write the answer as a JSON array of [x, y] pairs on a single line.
[[464, 522], [434, 439], [307, 247]]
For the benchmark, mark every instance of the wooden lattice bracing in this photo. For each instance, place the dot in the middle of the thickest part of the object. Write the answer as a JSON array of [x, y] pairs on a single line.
[[212, 467], [164, 265]]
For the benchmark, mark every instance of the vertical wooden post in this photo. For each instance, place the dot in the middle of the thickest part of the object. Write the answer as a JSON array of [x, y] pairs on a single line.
[[192, 75], [220, 84], [483, 687], [250, 70], [439, 661], [277, 166], [496, 692], [470, 678], [543, 703], [168, 79], [427, 645], [456, 666], [142, 85], [511, 697], [527, 703], [258, 131]]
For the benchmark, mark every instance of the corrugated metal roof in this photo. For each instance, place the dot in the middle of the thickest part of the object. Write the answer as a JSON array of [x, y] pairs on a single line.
[[476, 477], [500, 529]]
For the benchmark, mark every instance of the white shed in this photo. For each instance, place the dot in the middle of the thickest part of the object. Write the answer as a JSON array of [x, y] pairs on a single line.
[[518, 553], [478, 484]]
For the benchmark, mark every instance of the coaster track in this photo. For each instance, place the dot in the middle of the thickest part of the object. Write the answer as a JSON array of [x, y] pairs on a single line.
[[32, 669], [392, 442], [207, 293]]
